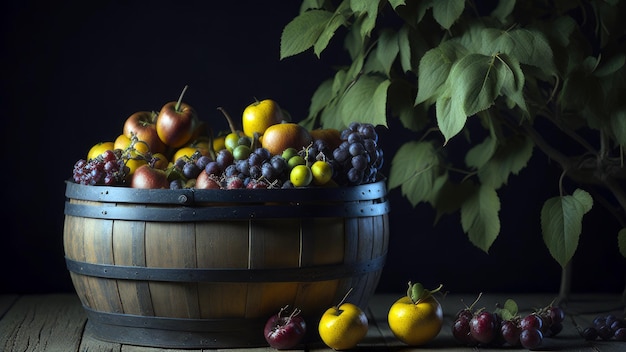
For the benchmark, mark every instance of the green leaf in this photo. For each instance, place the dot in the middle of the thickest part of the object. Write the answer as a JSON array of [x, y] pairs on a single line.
[[475, 82], [561, 223], [434, 68], [511, 156], [396, 3], [508, 311], [311, 4], [387, 49], [513, 81], [618, 126], [354, 41], [336, 21], [450, 116], [611, 66], [321, 97], [446, 12], [365, 101], [479, 217], [368, 10], [447, 197], [621, 242], [503, 10], [529, 47], [414, 167], [511, 306], [412, 46], [303, 32], [479, 154]]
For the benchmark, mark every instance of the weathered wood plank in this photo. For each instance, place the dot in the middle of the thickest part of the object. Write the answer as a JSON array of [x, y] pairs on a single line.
[[56, 322], [43, 323], [581, 309], [6, 301]]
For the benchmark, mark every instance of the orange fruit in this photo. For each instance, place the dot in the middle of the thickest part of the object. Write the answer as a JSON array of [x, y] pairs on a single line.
[[121, 142], [331, 136], [161, 162], [281, 136], [99, 148], [219, 143], [184, 152], [260, 115]]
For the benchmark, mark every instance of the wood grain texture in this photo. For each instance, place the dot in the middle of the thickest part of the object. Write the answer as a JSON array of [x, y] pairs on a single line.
[[43, 323]]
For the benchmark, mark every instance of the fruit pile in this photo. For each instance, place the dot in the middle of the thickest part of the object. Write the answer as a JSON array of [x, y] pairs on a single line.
[[173, 148], [505, 327], [606, 327]]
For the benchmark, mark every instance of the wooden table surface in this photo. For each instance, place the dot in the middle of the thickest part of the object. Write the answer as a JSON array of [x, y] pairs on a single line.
[[57, 322]]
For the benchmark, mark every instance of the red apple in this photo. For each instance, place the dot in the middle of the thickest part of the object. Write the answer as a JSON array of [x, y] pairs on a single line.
[[284, 331], [176, 123], [148, 177], [142, 124], [207, 181]]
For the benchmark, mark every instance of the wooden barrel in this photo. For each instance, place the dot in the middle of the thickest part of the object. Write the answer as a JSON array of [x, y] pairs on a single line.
[[206, 268]]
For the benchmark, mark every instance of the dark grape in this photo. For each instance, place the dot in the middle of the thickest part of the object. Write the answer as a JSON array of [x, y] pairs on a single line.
[[604, 332], [356, 149], [355, 176], [620, 334], [482, 327], [224, 158], [557, 314], [359, 162], [461, 331], [180, 163], [531, 338], [263, 153], [531, 321], [341, 154], [465, 314], [590, 333], [279, 163], [231, 170], [267, 170], [243, 167], [203, 161], [212, 168], [176, 184], [510, 332], [255, 159], [255, 171], [355, 137], [191, 170]]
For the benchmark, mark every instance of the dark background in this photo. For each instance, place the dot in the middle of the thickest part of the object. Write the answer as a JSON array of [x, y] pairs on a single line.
[[72, 72]]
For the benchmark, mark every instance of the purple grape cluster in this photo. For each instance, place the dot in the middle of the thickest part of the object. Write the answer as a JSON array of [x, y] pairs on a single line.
[[108, 169], [359, 158], [259, 170], [606, 327], [485, 328]]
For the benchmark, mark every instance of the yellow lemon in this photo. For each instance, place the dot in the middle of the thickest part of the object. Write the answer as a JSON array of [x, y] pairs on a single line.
[[99, 148]]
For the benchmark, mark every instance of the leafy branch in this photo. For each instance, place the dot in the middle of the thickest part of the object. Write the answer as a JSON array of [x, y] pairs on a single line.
[[495, 76]]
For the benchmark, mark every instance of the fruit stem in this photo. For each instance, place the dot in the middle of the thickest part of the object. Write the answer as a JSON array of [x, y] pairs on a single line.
[[180, 99], [344, 298], [231, 124]]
